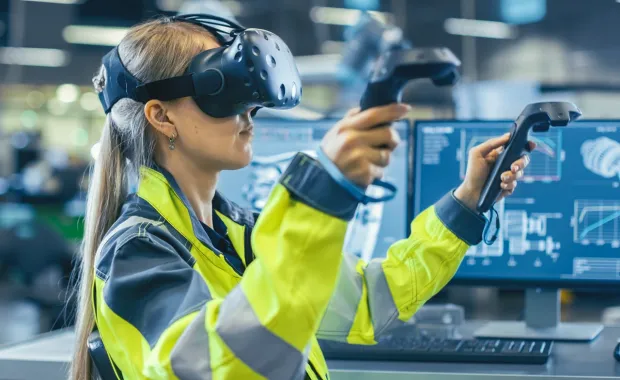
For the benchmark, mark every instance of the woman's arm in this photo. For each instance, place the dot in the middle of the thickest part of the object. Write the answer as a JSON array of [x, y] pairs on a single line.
[[372, 298], [164, 322]]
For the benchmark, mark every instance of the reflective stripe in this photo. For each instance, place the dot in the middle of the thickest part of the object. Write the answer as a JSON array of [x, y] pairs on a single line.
[[301, 371], [338, 319], [252, 343], [383, 309], [190, 358], [130, 222], [341, 312]]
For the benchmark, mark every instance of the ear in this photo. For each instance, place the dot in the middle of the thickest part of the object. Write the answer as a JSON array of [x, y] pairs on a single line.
[[156, 113]]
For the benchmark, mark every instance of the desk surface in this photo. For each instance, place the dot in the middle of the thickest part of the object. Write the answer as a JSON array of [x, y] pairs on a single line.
[[48, 356]]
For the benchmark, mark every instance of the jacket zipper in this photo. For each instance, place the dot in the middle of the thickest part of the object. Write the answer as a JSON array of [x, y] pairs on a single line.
[[237, 270], [249, 254]]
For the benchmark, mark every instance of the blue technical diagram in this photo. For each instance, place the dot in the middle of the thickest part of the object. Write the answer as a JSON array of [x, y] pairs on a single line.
[[563, 221], [546, 165], [374, 228]]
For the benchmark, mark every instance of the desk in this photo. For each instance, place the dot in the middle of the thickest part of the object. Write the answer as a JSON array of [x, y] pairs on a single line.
[[48, 356]]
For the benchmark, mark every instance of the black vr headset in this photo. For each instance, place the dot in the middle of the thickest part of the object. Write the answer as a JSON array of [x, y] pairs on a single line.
[[253, 68]]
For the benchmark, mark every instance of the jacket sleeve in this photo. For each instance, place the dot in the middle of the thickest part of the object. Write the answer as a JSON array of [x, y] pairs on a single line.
[[371, 298], [168, 325]]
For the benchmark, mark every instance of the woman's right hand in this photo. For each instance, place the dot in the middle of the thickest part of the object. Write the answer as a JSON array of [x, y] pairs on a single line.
[[359, 150]]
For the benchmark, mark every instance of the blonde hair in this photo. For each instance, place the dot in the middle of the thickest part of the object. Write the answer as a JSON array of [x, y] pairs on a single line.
[[154, 50]]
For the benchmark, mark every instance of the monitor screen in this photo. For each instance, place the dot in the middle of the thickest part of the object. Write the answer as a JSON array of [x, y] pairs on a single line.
[[562, 225], [375, 226]]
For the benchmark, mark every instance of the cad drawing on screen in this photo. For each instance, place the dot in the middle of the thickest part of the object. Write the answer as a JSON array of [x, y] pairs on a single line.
[[362, 232]]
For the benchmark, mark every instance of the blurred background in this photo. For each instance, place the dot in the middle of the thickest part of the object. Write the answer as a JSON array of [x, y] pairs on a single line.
[[513, 51]]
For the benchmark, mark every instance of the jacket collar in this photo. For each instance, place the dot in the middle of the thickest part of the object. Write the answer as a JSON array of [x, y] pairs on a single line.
[[158, 187]]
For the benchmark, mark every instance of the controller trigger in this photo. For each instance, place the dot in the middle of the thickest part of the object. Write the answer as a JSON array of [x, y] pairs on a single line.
[[528, 147]]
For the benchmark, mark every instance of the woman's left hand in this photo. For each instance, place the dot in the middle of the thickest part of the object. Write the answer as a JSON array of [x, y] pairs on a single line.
[[481, 161]]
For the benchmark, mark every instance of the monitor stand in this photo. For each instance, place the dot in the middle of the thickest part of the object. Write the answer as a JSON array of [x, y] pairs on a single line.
[[542, 321]]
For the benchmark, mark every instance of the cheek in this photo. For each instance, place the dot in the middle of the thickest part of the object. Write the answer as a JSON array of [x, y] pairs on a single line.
[[219, 143], [211, 139]]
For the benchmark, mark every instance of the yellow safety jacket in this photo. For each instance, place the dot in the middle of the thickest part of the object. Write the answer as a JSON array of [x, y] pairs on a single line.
[[169, 306]]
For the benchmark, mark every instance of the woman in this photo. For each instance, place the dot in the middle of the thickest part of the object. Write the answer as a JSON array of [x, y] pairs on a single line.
[[166, 275]]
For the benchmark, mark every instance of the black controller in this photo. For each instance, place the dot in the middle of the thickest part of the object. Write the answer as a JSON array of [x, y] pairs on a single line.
[[391, 73], [537, 117], [395, 68]]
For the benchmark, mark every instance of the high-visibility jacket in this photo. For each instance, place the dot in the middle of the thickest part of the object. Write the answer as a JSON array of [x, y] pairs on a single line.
[[168, 305]]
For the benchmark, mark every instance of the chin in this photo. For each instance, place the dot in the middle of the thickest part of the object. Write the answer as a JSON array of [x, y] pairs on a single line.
[[239, 162]]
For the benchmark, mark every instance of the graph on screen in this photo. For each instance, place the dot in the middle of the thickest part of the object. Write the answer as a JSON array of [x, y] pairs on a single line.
[[546, 159], [597, 222], [563, 222]]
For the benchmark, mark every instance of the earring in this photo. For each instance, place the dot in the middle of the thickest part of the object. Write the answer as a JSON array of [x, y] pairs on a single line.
[[171, 142]]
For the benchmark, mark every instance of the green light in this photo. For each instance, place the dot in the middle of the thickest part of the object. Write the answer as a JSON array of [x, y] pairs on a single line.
[[80, 137], [29, 119]]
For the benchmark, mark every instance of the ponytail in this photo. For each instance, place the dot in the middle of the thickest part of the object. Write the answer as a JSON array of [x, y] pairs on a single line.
[[106, 193], [127, 143]]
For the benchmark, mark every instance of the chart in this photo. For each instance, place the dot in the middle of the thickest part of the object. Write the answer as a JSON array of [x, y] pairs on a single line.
[[546, 163], [597, 222]]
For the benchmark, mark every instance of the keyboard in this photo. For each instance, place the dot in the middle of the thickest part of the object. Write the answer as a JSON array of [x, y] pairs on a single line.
[[409, 349]]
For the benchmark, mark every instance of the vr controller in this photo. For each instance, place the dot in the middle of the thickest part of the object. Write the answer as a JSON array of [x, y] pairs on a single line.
[[537, 117], [391, 73], [395, 68]]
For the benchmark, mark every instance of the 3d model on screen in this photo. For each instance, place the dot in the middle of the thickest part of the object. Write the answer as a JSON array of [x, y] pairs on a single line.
[[602, 157], [363, 230], [265, 172]]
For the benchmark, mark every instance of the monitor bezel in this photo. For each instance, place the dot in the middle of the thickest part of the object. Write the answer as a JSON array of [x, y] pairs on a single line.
[[586, 284]]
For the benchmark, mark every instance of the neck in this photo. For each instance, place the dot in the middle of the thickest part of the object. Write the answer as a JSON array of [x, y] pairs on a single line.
[[197, 184]]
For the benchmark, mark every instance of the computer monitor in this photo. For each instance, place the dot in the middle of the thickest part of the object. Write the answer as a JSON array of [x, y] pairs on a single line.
[[561, 228], [375, 227]]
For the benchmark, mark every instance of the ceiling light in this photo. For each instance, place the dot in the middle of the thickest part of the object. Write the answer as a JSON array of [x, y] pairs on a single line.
[[169, 5], [203, 6], [66, 2], [344, 16], [479, 28], [67, 93], [93, 35], [33, 57]]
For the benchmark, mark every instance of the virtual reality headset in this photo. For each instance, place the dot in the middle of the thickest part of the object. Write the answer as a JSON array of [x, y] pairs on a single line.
[[253, 68]]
